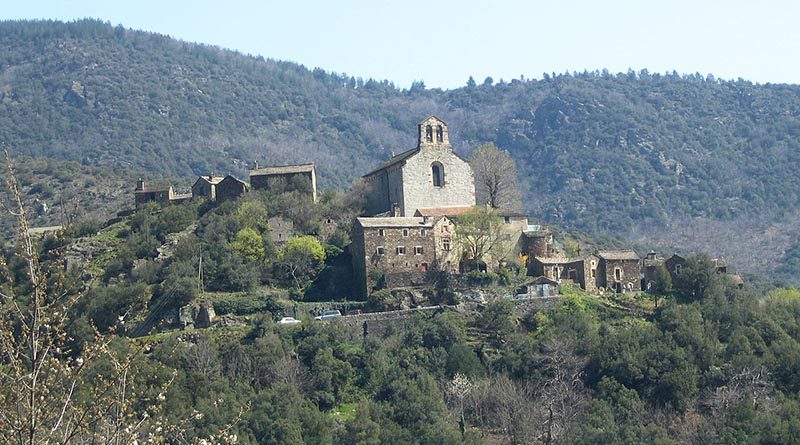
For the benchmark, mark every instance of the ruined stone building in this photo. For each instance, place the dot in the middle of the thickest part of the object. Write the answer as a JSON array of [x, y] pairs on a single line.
[[281, 230], [206, 187], [430, 176], [162, 194], [286, 178], [230, 188]]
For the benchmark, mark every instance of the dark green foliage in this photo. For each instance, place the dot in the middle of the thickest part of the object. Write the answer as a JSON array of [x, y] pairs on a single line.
[[606, 153], [698, 279]]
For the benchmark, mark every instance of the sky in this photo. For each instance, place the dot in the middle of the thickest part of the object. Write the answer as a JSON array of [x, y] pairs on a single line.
[[443, 43]]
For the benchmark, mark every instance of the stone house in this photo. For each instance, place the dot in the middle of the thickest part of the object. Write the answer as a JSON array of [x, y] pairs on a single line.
[[401, 251], [619, 270], [559, 269], [285, 178], [429, 176], [206, 187], [162, 194], [607, 269], [230, 188]]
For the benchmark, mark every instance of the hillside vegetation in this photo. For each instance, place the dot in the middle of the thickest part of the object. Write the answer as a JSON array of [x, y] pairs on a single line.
[[686, 162]]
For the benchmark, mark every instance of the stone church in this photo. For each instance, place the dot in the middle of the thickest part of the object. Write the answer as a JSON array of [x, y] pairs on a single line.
[[430, 176]]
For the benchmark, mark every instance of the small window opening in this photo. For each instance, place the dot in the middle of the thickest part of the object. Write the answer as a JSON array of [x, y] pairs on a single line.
[[380, 250], [401, 250], [438, 174], [446, 245], [405, 232], [617, 274], [439, 133], [429, 133], [417, 250], [381, 232]]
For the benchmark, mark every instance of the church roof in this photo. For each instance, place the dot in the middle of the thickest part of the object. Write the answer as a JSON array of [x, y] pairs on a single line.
[[394, 160]]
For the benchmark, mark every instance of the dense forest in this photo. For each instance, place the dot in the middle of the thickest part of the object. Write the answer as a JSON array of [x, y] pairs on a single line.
[[685, 162], [698, 361]]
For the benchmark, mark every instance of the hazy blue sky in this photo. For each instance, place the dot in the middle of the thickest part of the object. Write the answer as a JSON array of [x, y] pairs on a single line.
[[444, 42]]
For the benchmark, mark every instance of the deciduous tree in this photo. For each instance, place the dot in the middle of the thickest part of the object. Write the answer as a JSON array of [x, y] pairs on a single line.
[[495, 178]]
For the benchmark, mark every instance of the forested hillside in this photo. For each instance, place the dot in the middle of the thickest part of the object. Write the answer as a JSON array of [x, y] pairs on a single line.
[[685, 162]]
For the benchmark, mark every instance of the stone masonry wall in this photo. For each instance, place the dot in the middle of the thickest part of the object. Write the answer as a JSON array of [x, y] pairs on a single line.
[[419, 191], [391, 263]]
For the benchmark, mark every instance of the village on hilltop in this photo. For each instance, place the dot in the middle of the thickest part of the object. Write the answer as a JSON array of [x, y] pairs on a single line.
[[407, 235]]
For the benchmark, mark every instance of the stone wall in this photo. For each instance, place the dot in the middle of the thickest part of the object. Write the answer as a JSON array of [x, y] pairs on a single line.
[[411, 265], [417, 179], [629, 274], [377, 194], [230, 188]]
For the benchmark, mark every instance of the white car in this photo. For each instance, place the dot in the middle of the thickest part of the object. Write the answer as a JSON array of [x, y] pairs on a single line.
[[289, 320], [327, 315]]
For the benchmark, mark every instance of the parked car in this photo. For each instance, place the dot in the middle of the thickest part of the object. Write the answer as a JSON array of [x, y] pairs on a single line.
[[289, 320], [327, 315]]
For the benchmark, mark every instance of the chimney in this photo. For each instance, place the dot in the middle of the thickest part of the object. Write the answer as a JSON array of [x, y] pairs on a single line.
[[396, 210], [140, 184]]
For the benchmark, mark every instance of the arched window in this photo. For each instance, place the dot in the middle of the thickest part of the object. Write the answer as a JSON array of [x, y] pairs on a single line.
[[437, 170], [429, 133], [439, 133]]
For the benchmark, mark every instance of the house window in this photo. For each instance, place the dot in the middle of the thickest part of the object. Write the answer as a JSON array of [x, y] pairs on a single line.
[[381, 232], [405, 232], [507, 219], [423, 267], [429, 133], [417, 250], [422, 232], [380, 250], [401, 250], [617, 274], [594, 273], [446, 245], [437, 171], [439, 133], [677, 269]]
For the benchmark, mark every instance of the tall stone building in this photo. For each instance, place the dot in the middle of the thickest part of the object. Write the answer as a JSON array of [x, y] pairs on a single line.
[[428, 176], [402, 251]]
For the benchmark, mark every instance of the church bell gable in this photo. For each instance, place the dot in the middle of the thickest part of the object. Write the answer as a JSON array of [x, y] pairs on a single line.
[[433, 133]]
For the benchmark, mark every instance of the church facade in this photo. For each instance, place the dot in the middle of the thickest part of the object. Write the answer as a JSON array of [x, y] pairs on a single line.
[[426, 177]]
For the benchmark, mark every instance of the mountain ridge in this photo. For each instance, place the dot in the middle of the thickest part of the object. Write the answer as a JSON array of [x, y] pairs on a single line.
[[650, 157]]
